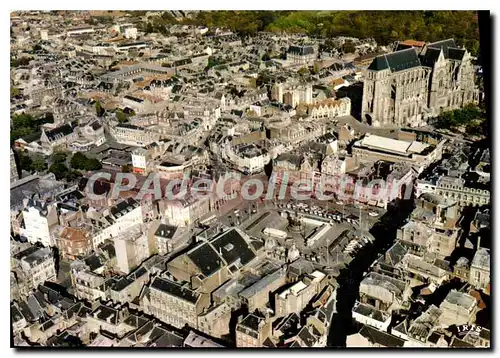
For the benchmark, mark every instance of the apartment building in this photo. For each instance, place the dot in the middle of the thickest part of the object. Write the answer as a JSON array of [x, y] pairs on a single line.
[[40, 219], [252, 331], [295, 298], [186, 211], [384, 292], [75, 241], [86, 284], [216, 320], [37, 265], [214, 260], [132, 246], [456, 189], [115, 220], [480, 269], [130, 134], [174, 303], [457, 308], [330, 108], [292, 94]]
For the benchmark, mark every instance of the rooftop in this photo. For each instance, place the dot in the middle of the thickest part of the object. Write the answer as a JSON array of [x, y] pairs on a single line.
[[175, 289], [461, 299]]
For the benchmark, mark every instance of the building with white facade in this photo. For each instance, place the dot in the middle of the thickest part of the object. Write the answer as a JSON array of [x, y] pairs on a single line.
[[186, 211], [480, 269], [295, 298], [457, 308], [40, 218], [116, 220], [133, 246], [455, 188], [78, 31], [292, 94], [247, 157], [130, 134], [86, 284], [418, 154]]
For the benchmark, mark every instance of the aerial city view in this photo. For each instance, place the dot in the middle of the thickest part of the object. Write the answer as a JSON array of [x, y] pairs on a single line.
[[227, 179]]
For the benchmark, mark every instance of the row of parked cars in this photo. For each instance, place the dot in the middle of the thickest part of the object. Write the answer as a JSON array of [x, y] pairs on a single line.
[[321, 212]]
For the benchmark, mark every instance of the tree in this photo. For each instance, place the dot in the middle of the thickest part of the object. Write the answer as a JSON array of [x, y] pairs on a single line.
[[14, 91], [59, 157], [303, 71], [348, 47], [315, 69], [23, 61], [23, 121], [98, 109], [93, 164], [82, 162], [73, 175], [25, 162], [383, 26], [212, 62], [263, 78], [469, 116], [266, 57], [121, 116], [60, 170], [149, 28], [127, 168], [19, 133], [39, 164], [78, 161]]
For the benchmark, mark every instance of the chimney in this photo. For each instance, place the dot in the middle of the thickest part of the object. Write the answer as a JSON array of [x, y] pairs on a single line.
[[478, 243]]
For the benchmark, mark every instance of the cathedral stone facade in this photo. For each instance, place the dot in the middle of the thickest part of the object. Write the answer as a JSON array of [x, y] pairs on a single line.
[[410, 85]]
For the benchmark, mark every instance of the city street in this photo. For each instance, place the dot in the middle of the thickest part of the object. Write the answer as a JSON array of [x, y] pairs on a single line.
[[350, 278]]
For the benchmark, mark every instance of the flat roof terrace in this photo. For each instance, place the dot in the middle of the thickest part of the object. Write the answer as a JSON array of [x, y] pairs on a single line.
[[390, 145]]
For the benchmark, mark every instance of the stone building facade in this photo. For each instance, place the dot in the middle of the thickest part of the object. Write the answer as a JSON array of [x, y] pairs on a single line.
[[408, 86], [456, 189]]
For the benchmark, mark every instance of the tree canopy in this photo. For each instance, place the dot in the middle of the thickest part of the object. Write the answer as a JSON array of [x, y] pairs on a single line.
[[98, 109], [81, 161], [126, 168], [384, 26], [24, 124], [22, 61], [121, 116], [59, 169], [470, 119]]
